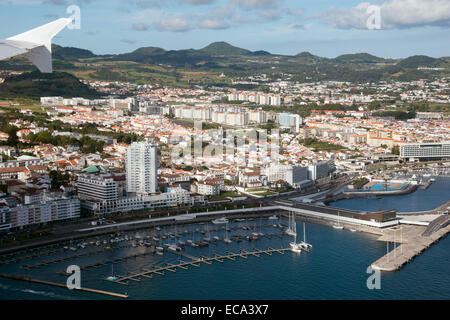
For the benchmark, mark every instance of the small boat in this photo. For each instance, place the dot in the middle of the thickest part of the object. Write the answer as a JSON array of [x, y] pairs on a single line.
[[216, 238], [254, 238], [353, 230], [239, 220], [107, 248], [206, 239], [248, 238], [295, 247], [174, 248], [181, 243], [227, 240], [159, 253], [73, 248], [220, 221], [159, 248], [158, 228], [274, 217], [112, 277], [155, 238]]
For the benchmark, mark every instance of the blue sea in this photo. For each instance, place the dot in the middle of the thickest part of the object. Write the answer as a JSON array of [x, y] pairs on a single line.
[[336, 267]]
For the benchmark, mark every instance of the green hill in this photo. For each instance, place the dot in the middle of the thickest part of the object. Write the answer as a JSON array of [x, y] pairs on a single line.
[[224, 48], [144, 55], [70, 53], [35, 84], [417, 61], [358, 58]]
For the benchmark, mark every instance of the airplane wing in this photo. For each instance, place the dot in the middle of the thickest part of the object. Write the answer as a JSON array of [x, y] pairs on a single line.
[[36, 44]]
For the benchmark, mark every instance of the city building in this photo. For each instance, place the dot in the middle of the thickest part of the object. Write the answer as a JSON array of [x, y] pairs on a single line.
[[295, 176], [142, 168], [321, 169], [425, 151]]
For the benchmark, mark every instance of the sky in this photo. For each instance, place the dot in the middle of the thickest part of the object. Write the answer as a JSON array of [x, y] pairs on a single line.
[[385, 28]]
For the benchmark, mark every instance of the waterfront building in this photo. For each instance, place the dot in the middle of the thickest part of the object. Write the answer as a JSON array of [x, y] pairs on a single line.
[[293, 175], [321, 169], [142, 168], [425, 151], [53, 207], [98, 193]]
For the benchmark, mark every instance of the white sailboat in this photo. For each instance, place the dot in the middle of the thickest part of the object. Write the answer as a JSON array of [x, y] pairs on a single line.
[[338, 225], [304, 244], [294, 246], [226, 239], [112, 277], [291, 230]]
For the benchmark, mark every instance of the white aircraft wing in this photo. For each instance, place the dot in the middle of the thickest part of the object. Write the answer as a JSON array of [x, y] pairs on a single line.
[[36, 44]]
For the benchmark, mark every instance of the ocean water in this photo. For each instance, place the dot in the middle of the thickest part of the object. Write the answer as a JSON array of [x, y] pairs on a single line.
[[336, 267]]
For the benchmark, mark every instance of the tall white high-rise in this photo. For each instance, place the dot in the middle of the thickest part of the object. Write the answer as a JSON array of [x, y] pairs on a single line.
[[142, 168]]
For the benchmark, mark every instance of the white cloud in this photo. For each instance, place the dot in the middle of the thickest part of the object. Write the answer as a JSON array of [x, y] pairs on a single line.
[[176, 24], [256, 4], [395, 14]]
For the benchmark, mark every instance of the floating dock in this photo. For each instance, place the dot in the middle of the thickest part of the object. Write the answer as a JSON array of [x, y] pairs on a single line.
[[197, 262]]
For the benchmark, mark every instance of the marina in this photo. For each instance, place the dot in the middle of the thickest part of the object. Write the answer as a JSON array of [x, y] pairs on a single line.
[[131, 258], [196, 262]]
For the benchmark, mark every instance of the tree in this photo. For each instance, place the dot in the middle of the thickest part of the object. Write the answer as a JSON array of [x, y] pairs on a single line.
[[396, 150]]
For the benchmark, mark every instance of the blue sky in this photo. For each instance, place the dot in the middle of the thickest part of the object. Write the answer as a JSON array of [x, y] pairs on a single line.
[[322, 27]]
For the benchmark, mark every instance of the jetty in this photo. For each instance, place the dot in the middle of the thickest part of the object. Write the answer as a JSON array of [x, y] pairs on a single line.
[[412, 242], [54, 284]]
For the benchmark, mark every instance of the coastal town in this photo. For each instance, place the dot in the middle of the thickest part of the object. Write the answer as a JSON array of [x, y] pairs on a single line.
[[212, 146], [202, 156]]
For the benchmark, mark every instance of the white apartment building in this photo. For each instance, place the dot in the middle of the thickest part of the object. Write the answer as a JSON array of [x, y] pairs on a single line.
[[142, 168], [320, 170], [98, 193], [425, 151], [208, 189], [56, 208], [294, 175]]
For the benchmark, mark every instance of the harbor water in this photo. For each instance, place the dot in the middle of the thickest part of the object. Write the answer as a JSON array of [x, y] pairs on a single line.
[[335, 268]]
